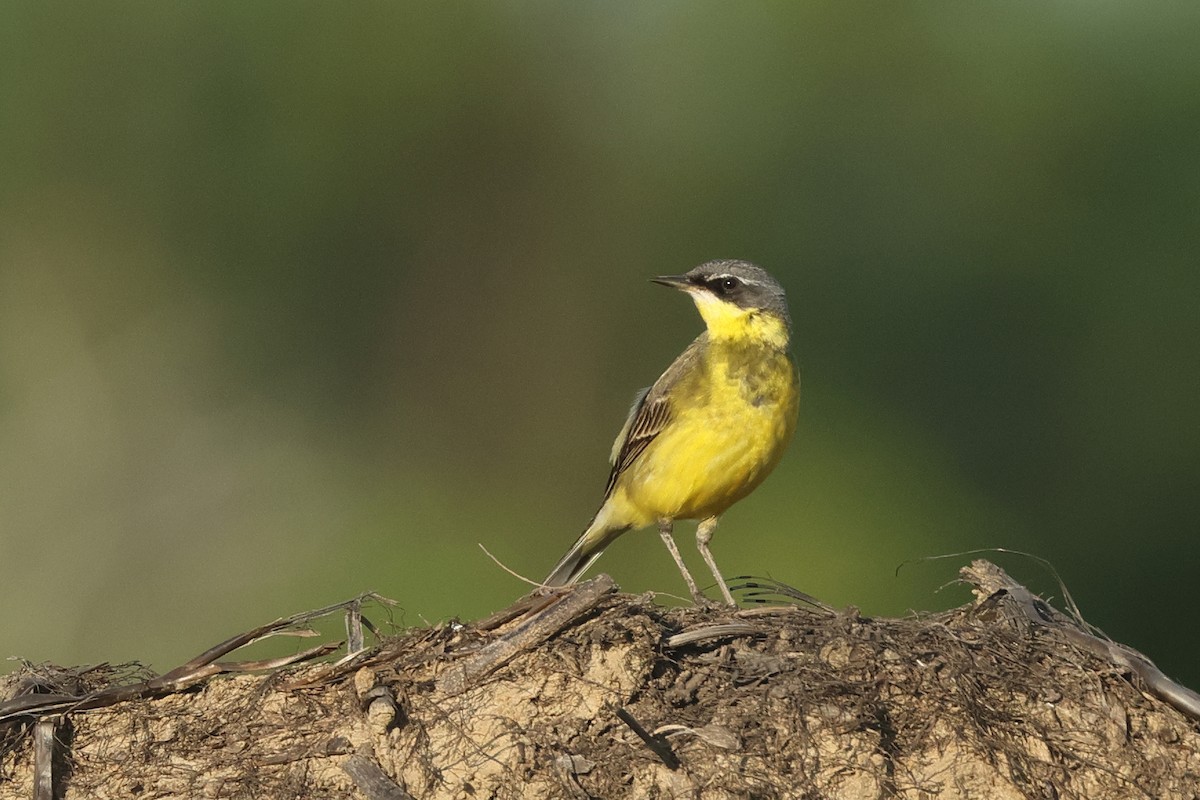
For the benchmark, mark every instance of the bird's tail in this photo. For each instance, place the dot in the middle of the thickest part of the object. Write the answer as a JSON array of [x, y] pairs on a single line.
[[585, 551]]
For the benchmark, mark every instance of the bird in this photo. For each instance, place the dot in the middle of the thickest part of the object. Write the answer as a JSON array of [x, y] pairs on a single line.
[[709, 430]]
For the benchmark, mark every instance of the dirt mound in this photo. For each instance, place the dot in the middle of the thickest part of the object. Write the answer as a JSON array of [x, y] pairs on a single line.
[[597, 694]]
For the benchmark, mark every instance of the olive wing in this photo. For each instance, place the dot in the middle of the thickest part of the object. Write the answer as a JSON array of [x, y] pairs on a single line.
[[650, 414]]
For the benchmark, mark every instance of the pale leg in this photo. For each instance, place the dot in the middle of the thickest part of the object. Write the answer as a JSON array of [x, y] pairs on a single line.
[[704, 534], [664, 530]]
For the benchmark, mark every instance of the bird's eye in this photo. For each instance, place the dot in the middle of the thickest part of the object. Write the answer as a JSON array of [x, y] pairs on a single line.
[[726, 284]]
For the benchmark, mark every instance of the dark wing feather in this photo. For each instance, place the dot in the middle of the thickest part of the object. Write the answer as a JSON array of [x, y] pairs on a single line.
[[651, 412], [645, 422]]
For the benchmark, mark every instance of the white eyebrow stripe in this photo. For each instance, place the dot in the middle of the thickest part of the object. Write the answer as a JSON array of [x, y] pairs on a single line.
[[738, 277]]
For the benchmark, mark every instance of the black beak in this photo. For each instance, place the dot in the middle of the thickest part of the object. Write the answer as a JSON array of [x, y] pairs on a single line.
[[674, 281]]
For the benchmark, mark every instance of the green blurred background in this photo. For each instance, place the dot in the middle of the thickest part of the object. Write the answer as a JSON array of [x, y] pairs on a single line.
[[298, 300]]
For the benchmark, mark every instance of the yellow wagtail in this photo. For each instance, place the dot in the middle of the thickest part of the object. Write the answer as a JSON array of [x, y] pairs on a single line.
[[710, 429]]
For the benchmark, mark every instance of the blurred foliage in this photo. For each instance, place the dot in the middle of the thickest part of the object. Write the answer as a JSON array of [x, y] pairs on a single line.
[[298, 300]]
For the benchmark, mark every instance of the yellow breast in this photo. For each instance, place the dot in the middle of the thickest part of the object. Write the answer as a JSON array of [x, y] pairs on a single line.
[[732, 417]]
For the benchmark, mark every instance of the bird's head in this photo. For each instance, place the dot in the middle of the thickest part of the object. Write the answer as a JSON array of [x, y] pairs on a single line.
[[738, 301]]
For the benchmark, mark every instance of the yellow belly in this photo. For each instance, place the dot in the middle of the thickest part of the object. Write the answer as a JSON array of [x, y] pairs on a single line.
[[718, 447]]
